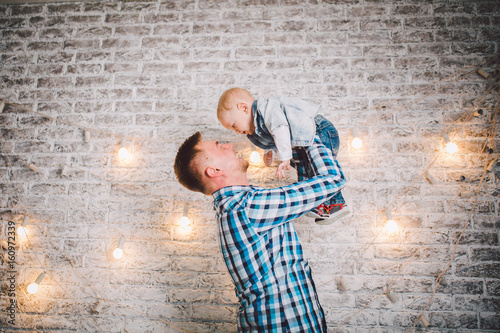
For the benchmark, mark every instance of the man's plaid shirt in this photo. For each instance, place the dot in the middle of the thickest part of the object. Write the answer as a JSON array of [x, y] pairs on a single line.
[[263, 253]]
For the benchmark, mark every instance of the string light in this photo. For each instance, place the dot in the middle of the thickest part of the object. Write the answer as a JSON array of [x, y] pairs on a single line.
[[33, 167], [254, 155], [391, 296], [5, 253], [118, 252], [391, 226], [491, 164], [21, 230], [430, 179], [443, 281], [451, 147], [99, 306], [483, 73], [356, 142], [341, 284], [464, 179], [65, 170], [33, 287], [184, 220], [423, 319], [478, 113], [466, 194], [87, 136], [123, 152]]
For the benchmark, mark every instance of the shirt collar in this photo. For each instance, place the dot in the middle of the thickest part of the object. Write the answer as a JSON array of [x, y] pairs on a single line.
[[227, 192]]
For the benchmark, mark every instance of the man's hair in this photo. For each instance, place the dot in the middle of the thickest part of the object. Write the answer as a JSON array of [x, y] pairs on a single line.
[[227, 99], [185, 164]]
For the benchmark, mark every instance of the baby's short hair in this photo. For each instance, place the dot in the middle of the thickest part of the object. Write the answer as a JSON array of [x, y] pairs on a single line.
[[229, 98]]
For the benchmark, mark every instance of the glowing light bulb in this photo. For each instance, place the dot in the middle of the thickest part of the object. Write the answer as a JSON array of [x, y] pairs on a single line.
[[118, 252], [451, 147], [21, 230], [390, 226], [255, 157], [33, 287], [123, 152], [356, 142], [184, 222]]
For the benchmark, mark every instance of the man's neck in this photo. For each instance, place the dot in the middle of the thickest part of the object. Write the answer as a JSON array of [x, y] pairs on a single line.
[[242, 181]]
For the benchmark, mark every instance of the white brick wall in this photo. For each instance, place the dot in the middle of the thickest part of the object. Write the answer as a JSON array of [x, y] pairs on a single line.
[[398, 71]]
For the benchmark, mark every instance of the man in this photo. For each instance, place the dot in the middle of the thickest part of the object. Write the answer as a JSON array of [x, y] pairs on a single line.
[[259, 244]]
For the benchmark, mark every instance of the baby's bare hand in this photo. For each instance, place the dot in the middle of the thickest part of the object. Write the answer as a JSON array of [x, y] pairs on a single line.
[[282, 167]]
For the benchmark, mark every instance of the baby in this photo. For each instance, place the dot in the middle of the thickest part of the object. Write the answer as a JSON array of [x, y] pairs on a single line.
[[278, 125]]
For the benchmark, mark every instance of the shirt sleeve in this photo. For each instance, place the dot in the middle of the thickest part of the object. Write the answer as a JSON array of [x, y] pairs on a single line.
[[283, 142], [272, 207]]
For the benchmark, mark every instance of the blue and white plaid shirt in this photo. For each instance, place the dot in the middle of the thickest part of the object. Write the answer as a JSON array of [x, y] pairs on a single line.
[[263, 253]]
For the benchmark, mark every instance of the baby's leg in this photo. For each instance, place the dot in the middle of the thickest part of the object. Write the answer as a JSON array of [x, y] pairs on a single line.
[[329, 136]]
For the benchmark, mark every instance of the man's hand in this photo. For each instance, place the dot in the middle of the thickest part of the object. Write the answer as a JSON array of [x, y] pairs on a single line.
[[268, 158], [284, 165]]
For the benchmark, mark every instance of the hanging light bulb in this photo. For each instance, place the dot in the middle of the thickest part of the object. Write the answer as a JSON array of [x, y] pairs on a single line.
[[254, 155], [184, 220], [430, 178], [341, 285], [391, 226], [423, 319], [483, 73], [356, 142], [65, 170], [478, 113], [33, 287], [21, 230], [118, 252], [391, 296], [87, 136], [451, 147], [123, 152], [443, 281], [99, 306]]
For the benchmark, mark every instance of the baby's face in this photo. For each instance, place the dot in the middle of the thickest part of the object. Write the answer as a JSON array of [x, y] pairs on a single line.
[[238, 120]]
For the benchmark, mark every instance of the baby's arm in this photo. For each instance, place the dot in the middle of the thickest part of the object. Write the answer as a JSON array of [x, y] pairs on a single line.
[[283, 143]]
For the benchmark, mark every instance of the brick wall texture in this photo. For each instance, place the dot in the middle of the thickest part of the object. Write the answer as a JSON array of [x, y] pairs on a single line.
[[77, 77]]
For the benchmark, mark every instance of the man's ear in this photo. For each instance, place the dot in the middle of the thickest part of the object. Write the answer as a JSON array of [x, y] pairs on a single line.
[[213, 172], [242, 106]]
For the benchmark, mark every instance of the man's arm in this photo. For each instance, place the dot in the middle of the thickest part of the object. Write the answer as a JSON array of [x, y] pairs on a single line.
[[272, 207]]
